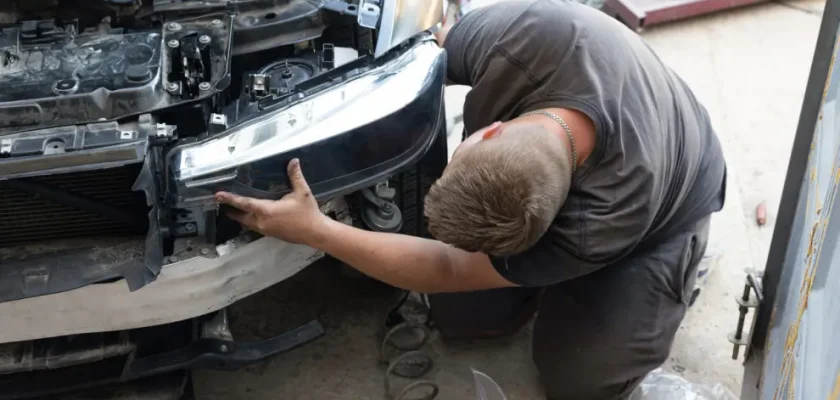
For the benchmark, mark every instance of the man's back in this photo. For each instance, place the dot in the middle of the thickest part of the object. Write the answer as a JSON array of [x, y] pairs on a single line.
[[657, 165]]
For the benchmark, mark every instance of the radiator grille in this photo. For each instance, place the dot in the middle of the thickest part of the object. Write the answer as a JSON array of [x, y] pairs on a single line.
[[27, 217]]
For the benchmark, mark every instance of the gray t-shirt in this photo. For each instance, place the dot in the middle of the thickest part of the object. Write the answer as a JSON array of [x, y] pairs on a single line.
[[657, 166]]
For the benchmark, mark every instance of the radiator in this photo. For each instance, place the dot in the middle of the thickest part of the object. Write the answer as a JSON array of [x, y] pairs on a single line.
[[27, 217]]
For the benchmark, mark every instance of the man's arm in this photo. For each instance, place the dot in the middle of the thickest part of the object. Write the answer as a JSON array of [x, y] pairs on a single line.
[[440, 37], [403, 261], [469, 40], [407, 262], [441, 33]]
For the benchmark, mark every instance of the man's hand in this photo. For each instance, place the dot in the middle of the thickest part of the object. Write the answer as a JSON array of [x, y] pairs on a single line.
[[403, 261], [295, 218]]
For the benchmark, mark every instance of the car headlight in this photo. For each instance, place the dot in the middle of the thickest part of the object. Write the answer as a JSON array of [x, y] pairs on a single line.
[[350, 105], [404, 19]]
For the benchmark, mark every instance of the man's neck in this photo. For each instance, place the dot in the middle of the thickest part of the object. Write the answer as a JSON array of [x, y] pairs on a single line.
[[582, 129]]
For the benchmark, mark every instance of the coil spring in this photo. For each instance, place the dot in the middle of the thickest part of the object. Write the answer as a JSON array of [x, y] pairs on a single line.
[[401, 350]]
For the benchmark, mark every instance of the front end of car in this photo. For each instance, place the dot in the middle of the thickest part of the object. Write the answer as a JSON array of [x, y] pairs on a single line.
[[120, 119]]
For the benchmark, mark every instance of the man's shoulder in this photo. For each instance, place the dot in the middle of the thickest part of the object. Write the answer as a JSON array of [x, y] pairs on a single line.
[[552, 32], [563, 13], [493, 20]]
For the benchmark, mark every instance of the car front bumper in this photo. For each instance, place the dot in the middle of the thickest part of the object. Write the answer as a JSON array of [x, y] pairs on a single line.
[[366, 139], [183, 290]]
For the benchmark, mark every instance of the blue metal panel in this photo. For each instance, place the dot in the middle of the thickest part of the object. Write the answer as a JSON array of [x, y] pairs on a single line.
[[795, 350]]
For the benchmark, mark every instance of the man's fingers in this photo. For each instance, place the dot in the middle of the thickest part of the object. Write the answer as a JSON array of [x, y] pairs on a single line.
[[243, 203], [244, 218], [299, 184]]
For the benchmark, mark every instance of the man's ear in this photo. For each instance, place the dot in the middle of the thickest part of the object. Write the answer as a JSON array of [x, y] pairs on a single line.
[[492, 131]]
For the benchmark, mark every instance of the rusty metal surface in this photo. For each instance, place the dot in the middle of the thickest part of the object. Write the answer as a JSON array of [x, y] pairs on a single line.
[[638, 14], [795, 354]]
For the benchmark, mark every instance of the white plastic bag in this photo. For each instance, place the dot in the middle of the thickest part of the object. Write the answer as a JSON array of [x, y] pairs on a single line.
[[660, 385], [486, 388]]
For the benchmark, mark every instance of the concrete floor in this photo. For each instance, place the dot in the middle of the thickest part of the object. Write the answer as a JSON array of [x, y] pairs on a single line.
[[749, 67]]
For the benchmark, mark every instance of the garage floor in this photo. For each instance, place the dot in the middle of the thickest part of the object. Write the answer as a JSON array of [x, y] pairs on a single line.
[[749, 67]]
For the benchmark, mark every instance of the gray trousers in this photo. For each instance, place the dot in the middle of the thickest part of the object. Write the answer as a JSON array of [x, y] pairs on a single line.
[[596, 336]]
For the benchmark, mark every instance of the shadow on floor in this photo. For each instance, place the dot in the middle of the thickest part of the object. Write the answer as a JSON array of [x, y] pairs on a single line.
[[344, 363]]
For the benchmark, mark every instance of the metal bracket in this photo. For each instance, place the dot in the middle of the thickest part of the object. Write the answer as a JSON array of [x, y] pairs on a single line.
[[341, 7], [5, 147], [158, 133], [217, 327], [745, 302], [328, 56], [369, 12], [218, 123], [259, 86]]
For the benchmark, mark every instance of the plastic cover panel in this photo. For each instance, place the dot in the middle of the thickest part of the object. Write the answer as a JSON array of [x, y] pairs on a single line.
[[91, 63], [90, 69], [68, 79], [802, 359]]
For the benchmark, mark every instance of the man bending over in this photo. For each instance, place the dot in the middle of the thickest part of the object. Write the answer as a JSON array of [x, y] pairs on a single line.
[[583, 191]]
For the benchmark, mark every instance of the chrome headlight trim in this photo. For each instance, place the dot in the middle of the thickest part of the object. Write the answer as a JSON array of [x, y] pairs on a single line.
[[369, 97], [404, 19]]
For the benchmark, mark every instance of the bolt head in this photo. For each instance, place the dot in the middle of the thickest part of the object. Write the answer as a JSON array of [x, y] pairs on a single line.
[[205, 251], [173, 43], [216, 23], [204, 39], [223, 348], [204, 85], [172, 87], [173, 26], [189, 227]]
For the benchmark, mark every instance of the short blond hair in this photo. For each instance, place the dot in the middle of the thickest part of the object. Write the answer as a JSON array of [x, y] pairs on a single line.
[[500, 195]]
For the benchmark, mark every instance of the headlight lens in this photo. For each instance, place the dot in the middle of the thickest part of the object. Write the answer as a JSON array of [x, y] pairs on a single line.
[[404, 19], [350, 105]]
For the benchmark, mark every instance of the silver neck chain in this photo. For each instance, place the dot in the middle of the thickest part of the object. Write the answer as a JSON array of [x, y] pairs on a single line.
[[565, 128]]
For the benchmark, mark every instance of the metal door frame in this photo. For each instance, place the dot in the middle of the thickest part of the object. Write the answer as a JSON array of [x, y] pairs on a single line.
[[790, 224]]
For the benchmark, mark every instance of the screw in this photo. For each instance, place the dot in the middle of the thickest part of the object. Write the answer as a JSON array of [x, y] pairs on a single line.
[[204, 39], [189, 227], [173, 43], [205, 251], [216, 23], [174, 26], [204, 85], [172, 87]]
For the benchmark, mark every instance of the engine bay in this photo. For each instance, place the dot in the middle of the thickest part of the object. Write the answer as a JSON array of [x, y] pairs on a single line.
[[79, 62], [121, 83]]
